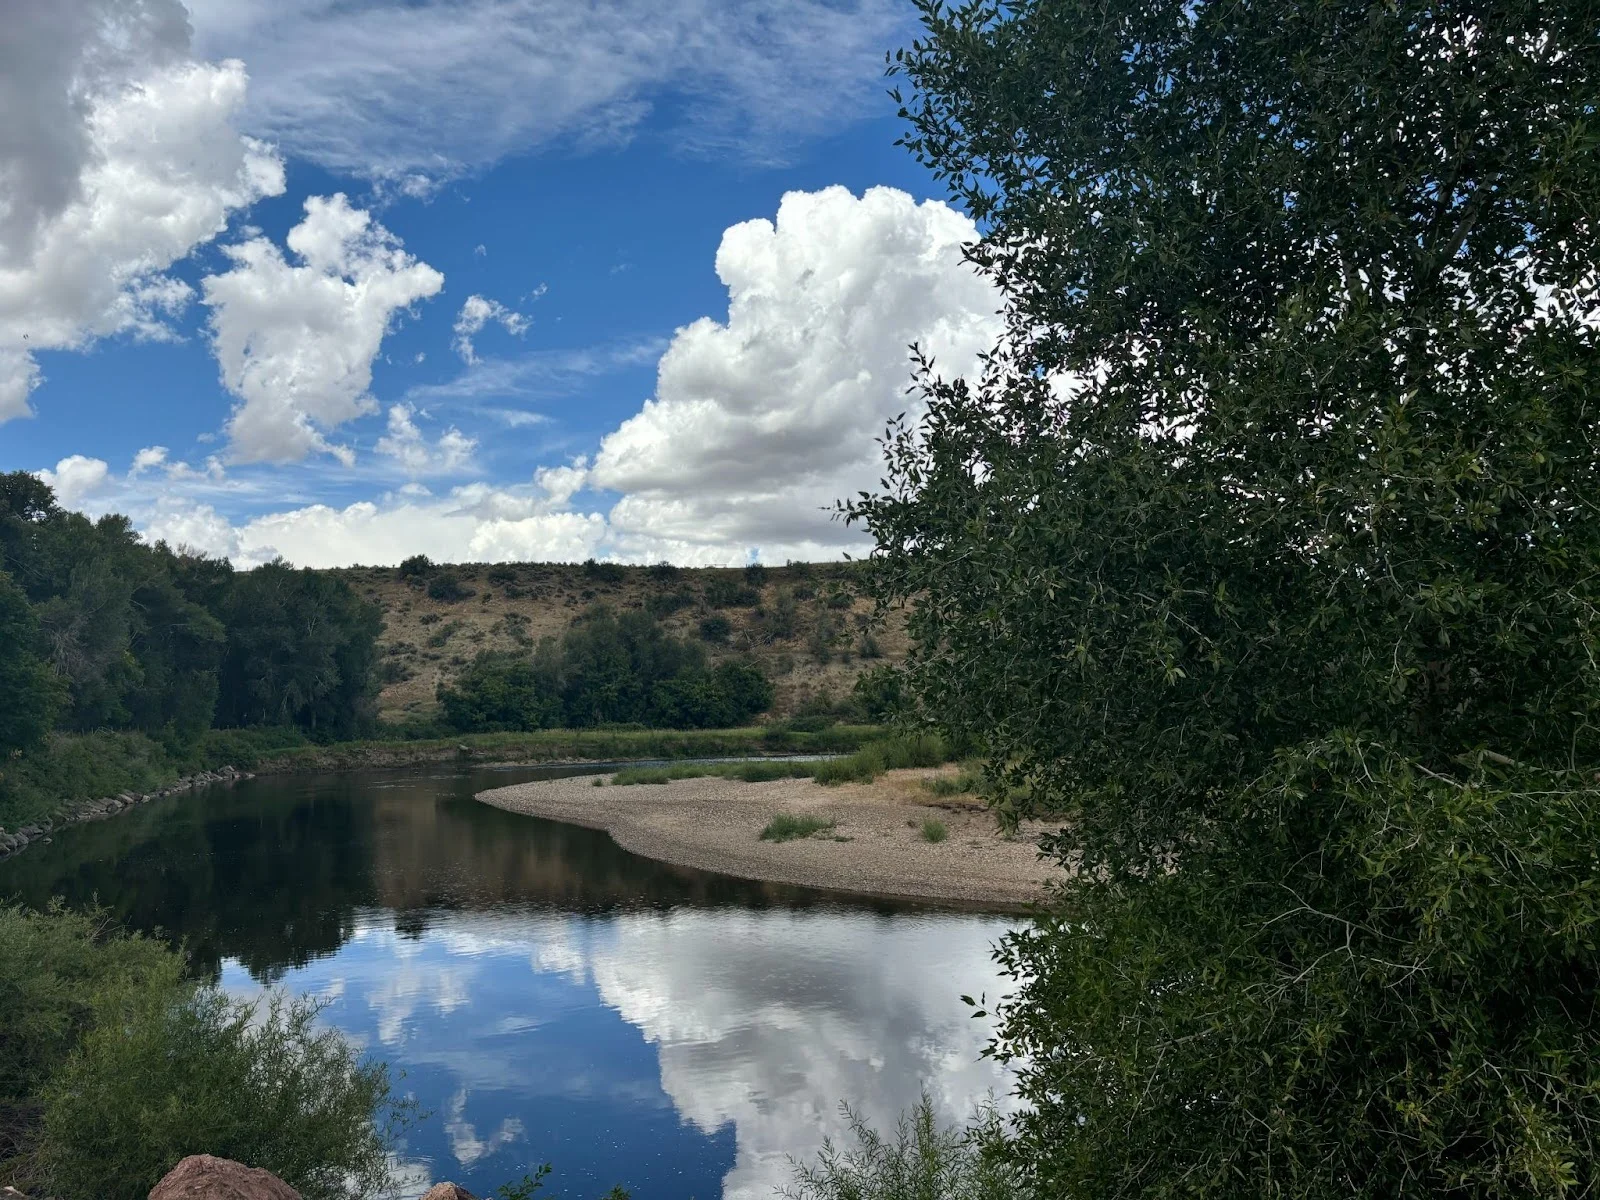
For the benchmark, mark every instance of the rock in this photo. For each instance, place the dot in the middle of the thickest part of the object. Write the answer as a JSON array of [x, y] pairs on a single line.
[[202, 1177], [30, 831], [11, 1193], [448, 1191]]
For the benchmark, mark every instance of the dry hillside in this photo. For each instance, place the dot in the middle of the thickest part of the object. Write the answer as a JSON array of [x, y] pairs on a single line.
[[804, 624]]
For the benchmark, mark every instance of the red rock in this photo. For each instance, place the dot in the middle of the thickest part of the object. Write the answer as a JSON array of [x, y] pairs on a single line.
[[448, 1191], [202, 1177]]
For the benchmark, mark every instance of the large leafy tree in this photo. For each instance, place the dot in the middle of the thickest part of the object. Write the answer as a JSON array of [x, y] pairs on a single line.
[[301, 647], [1263, 557], [29, 693]]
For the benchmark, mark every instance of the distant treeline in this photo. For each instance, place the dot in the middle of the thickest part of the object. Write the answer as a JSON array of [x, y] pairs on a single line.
[[609, 667], [100, 631]]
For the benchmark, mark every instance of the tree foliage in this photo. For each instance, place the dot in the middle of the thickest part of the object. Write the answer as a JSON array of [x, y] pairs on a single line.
[[137, 636], [114, 1066], [608, 668], [1262, 554]]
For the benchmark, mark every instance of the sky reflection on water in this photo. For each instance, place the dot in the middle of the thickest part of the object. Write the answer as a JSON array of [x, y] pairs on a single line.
[[550, 998]]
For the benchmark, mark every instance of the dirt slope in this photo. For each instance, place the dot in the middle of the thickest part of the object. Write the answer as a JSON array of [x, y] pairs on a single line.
[[803, 624]]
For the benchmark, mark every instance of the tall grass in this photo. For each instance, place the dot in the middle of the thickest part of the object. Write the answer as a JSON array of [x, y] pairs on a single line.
[[865, 765], [922, 1160], [748, 772], [888, 754], [788, 827]]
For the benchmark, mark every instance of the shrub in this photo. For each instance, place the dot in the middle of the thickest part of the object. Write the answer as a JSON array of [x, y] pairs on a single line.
[[217, 1075], [873, 759], [501, 574], [663, 604], [113, 1066], [881, 693], [787, 827], [725, 593], [447, 586], [922, 1162], [781, 620], [755, 576], [662, 572], [824, 632], [418, 566], [716, 628], [604, 572], [933, 830]]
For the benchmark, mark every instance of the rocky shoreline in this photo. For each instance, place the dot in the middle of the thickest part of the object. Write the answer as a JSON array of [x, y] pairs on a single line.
[[14, 842]]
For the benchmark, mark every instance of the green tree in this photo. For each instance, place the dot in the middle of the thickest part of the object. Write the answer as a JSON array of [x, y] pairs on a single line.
[[301, 650], [1262, 556], [29, 694]]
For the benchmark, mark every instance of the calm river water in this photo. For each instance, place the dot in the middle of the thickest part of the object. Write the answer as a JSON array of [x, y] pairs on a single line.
[[549, 997]]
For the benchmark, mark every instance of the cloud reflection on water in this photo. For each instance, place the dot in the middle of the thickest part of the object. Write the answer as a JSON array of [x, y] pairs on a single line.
[[760, 1022]]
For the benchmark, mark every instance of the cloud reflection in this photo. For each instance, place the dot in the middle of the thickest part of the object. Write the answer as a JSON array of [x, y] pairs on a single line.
[[760, 1023]]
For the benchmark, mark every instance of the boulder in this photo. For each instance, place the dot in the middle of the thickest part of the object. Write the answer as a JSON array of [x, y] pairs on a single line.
[[448, 1191], [202, 1177]]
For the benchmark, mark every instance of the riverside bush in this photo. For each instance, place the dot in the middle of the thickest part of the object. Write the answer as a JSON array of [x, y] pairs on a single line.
[[216, 1075], [113, 1066], [1284, 611], [922, 1160]]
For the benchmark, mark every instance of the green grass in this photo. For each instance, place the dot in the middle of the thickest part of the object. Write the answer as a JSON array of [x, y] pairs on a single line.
[[887, 754], [863, 766], [565, 745], [786, 827], [933, 830], [749, 772], [89, 766]]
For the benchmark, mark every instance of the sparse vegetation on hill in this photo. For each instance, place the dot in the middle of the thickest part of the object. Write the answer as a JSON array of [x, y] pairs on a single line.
[[803, 625]]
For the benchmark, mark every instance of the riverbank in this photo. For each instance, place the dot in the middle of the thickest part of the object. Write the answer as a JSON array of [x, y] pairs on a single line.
[[13, 842], [556, 746], [872, 844], [76, 769]]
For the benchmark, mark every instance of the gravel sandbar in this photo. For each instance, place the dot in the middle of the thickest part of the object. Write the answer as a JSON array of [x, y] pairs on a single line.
[[876, 846]]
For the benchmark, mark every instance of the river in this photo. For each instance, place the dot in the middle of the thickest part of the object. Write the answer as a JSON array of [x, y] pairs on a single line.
[[547, 996]]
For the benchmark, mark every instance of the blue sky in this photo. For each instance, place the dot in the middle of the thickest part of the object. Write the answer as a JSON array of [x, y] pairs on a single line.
[[487, 279]]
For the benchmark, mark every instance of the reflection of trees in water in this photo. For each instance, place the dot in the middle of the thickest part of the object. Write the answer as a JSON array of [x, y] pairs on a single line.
[[270, 875], [273, 872]]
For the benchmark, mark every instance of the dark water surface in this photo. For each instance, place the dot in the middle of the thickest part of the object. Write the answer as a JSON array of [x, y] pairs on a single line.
[[549, 996]]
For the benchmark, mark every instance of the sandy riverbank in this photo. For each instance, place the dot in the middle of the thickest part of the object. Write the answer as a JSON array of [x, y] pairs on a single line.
[[876, 846]]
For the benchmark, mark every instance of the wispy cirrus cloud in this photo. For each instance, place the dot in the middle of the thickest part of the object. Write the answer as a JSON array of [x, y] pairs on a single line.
[[430, 89], [539, 374]]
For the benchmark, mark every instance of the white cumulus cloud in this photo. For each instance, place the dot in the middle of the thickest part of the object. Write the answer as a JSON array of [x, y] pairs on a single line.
[[296, 340], [474, 315], [119, 154], [406, 444], [77, 480], [761, 422]]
